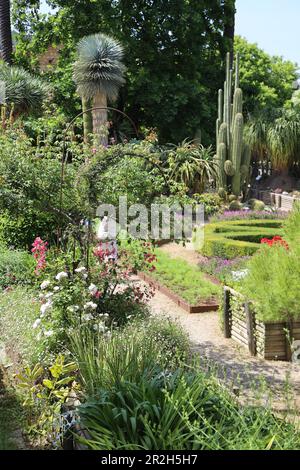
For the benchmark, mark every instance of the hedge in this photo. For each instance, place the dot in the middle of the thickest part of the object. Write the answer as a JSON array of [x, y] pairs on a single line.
[[235, 238]]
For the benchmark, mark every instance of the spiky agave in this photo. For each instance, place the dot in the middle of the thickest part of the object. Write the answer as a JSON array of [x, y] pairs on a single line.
[[22, 89], [99, 74]]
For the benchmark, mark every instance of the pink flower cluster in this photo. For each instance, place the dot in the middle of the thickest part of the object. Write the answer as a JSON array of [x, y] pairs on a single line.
[[39, 250], [102, 252]]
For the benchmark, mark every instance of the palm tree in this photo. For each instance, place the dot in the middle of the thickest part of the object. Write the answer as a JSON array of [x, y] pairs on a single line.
[[98, 73], [23, 92], [5, 31]]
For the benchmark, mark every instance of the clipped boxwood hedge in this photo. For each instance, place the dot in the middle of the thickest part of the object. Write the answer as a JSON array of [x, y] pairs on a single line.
[[235, 238]]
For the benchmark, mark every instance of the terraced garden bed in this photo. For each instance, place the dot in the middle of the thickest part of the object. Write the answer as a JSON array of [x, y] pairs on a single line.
[[185, 284]]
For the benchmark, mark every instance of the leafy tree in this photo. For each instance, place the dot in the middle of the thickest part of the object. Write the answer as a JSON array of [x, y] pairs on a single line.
[[5, 31], [174, 51], [267, 82]]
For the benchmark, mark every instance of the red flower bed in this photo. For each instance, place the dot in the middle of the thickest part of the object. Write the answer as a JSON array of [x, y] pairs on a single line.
[[275, 241]]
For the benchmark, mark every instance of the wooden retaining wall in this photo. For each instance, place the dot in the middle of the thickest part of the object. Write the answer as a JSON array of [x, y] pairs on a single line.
[[271, 341]]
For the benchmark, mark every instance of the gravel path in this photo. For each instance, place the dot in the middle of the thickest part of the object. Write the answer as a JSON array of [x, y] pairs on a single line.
[[232, 361]]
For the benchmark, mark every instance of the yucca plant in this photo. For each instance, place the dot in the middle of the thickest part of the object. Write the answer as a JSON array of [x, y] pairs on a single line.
[[24, 92], [99, 73]]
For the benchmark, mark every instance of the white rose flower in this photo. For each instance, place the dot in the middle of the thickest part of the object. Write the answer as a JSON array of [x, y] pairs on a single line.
[[49, 295], [90, 305], [45, 284], [93, 289], [100, 327], [80, 270], [56, 288], [48, 333], [36, 323], [87, 317], [45, 307], [61, 276]]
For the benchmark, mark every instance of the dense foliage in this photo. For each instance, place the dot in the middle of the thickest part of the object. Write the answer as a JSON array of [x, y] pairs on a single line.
[[267, 82], [173, 95]]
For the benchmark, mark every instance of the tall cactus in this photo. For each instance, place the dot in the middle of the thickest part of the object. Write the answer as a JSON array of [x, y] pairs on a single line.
[[233, 157]]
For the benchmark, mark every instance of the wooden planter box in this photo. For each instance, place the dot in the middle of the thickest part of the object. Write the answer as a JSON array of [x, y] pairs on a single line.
[[209, 306], [270, 340]]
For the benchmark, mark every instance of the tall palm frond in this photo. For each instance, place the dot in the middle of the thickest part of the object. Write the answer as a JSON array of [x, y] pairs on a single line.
[[256, 135], [284, 141], [25, 91]]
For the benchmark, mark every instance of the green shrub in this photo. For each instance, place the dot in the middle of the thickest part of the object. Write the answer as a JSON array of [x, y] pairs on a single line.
[[140, 349], [236, 238], [183, 279], [212, 202], [274, 273], [20, 231], [182, 411], [16, 267], [256, 205], [235, 206]]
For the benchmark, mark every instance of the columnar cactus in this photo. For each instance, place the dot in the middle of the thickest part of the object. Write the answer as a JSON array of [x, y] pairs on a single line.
[[233, 156]]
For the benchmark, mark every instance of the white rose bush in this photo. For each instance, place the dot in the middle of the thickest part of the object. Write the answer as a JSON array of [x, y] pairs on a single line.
[[101, 297]]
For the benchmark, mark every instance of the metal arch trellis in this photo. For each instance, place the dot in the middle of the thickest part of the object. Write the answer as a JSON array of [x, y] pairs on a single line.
[[64, 153], [64, 158]]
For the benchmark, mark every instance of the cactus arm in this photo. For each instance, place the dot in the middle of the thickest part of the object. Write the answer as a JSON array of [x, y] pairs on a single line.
[[237, 71], [237, 149]]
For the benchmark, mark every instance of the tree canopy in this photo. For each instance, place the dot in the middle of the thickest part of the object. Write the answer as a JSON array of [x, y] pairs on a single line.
[[174, 52], [266, 81]]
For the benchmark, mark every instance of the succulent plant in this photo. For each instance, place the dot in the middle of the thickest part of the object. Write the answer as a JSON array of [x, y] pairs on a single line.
[[235, 205]]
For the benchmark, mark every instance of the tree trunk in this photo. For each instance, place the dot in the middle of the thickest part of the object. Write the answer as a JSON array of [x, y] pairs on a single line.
[[100, 128], [87, 120], [5, 31]]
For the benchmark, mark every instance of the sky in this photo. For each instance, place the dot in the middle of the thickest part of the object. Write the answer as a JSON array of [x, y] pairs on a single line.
[[272, 24]]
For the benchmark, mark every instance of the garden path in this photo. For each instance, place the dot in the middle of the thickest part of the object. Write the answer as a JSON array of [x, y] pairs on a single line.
[[232, 362]]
